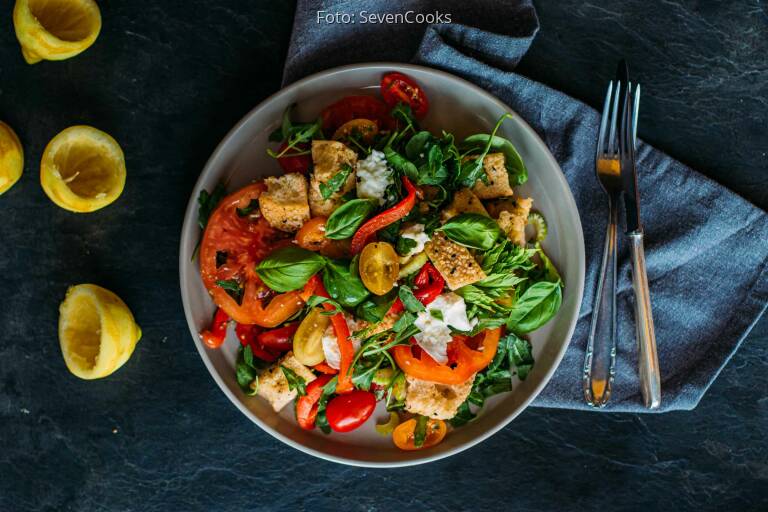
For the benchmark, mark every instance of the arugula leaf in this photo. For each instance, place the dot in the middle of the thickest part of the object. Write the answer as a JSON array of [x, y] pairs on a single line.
[[295, 382], [208, 202], [336, 182], [402, 112], [289, 268], [404, 245], [535, 307], [364, 372], [373, 309], [433, 171], [409, 300], [345, 220], [472, 230], [401, 164], [472, 168], [342, 284], [415, 147], [321, 421], [405, 321], [420, 431], [516, 170], [316, 300], [244, 212], [233, 288]]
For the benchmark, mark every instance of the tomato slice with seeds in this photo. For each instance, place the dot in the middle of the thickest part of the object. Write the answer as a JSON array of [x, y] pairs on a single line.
[[232, 245], [399, 88], [296, 159], [355, 107]]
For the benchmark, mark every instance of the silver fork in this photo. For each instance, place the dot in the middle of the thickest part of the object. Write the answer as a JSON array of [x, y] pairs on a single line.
[[600, 359]]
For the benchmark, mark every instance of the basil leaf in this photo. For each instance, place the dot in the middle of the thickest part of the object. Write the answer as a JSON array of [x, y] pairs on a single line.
[[420, 432], [405, 321], [373, 309], [409, 300], [472, 230], [316, 300], [401, 164], [503, 281], [433, 171], [246, 371], [345, 220], [289, 268], [404, 245], [336, 182], [516, 170], [208, 202], [342, 285], [520, 354], [233, 289], [416, 145], [436, 314], [295, 382], [535, 307], [472, 168], [391, 233]]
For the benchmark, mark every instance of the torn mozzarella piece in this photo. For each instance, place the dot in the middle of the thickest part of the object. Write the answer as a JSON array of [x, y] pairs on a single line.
[[447, 310], [416, 233], [373, 177]]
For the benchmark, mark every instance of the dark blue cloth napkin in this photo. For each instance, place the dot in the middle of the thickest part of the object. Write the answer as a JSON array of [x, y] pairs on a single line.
[[706, 247]]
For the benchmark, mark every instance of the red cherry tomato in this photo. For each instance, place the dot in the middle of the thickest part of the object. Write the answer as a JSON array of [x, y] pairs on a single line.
[[347, 412], [299, 163], [354, 107], [247, 334], [399, 88], [306, 406], [280, 339]]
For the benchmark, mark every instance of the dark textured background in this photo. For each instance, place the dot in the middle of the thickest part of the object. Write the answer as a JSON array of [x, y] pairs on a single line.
[[167, 80]]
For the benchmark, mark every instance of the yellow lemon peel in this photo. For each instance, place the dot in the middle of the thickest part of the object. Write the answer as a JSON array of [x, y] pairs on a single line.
[[11, 158]]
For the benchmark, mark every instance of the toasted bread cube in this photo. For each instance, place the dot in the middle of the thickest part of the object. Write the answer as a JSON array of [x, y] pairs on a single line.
[[496, 206], [464, 201], [514, 220], [328, 157], [284, 204], [437, 401], [454, 262], [498, 178], [273, 386]]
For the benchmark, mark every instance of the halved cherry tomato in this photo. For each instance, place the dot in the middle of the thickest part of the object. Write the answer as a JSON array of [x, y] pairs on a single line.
[[247, 334], [214, 336], [308, 340], [306, 406], [354, 107], [280, 339], [311, 236], [366, 232], [379, 267], [404, 434], [347, 412], [295, 163], [465, 361], [365, 129], [399, 88]]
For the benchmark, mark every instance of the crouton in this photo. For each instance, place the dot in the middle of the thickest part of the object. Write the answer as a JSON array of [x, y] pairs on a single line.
[[284, 204], [464, 201], [454, 262], [498, 178], [273, 386], [496, 206], [514, 220], [329, 156], [437, 401]]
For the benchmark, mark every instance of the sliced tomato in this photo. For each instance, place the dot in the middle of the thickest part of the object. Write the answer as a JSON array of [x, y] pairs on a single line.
[[295, 163], [280, 339], [465, 361], [405, 434], [347, 412], [311, 236], [306, 406], [232, 245], [399, 88], [354, 107]]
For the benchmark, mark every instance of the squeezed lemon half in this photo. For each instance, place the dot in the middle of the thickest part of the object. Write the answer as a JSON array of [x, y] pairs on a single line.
[[83, 169], [11, 158], [97, 331], [55, 29]]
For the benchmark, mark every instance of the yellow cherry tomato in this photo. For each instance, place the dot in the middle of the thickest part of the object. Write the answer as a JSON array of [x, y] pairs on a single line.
[[379, 267], [404, 434], [308, 340]]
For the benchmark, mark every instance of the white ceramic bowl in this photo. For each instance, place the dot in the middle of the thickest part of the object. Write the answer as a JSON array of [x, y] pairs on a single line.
[[458, 107]]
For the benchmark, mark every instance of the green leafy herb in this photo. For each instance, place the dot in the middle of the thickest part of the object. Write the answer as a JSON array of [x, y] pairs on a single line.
[[365, 371], [403, 113], [374, 308], [343, 284], [396, 392], [345, 220], [336, 182], [401, 164], [472, 230], [436, 314], [463, 415], [416, 146], [420, 431], [233, 288], [316, 300], [516, 170], [390, 233], [409, 300], [208, 202], [520, 354], [404, 245], [404, 322], [246, 370], [472, 168], [253, 205], [289, 268], [535, 307], [321, 421], [550, 272], [295, 382]]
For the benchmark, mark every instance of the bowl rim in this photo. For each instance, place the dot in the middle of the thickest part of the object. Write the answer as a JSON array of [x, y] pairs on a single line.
[[190, 212]]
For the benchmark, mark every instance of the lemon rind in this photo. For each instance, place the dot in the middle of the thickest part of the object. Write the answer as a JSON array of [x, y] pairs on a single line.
[[11, 162]]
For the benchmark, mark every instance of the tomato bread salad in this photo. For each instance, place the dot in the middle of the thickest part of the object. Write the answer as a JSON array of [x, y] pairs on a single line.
[[387, 263]]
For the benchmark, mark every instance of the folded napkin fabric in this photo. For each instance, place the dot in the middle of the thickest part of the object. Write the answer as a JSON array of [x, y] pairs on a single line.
[[706, 247]]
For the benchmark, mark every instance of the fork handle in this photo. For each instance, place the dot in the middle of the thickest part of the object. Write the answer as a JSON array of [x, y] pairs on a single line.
[[650, 376], [600, 357]]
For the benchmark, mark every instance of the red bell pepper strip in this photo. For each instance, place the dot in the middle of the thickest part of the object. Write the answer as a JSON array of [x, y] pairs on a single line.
[[248, 336], [429, 284], [306, 406], [214, 336], [346, 349], [325, 368], [280, 339], [385, 218]]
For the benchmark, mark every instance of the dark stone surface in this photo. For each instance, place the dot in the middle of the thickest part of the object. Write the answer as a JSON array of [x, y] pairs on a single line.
[[167, 80]]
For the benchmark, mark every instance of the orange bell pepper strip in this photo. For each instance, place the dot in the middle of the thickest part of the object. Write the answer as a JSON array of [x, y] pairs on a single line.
[[468, 361], [384, 219], [346, 349], [280, 308]]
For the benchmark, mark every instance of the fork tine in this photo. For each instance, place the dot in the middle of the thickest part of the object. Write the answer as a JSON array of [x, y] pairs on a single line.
[[613, 145], [635, 112], [604, 122]]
